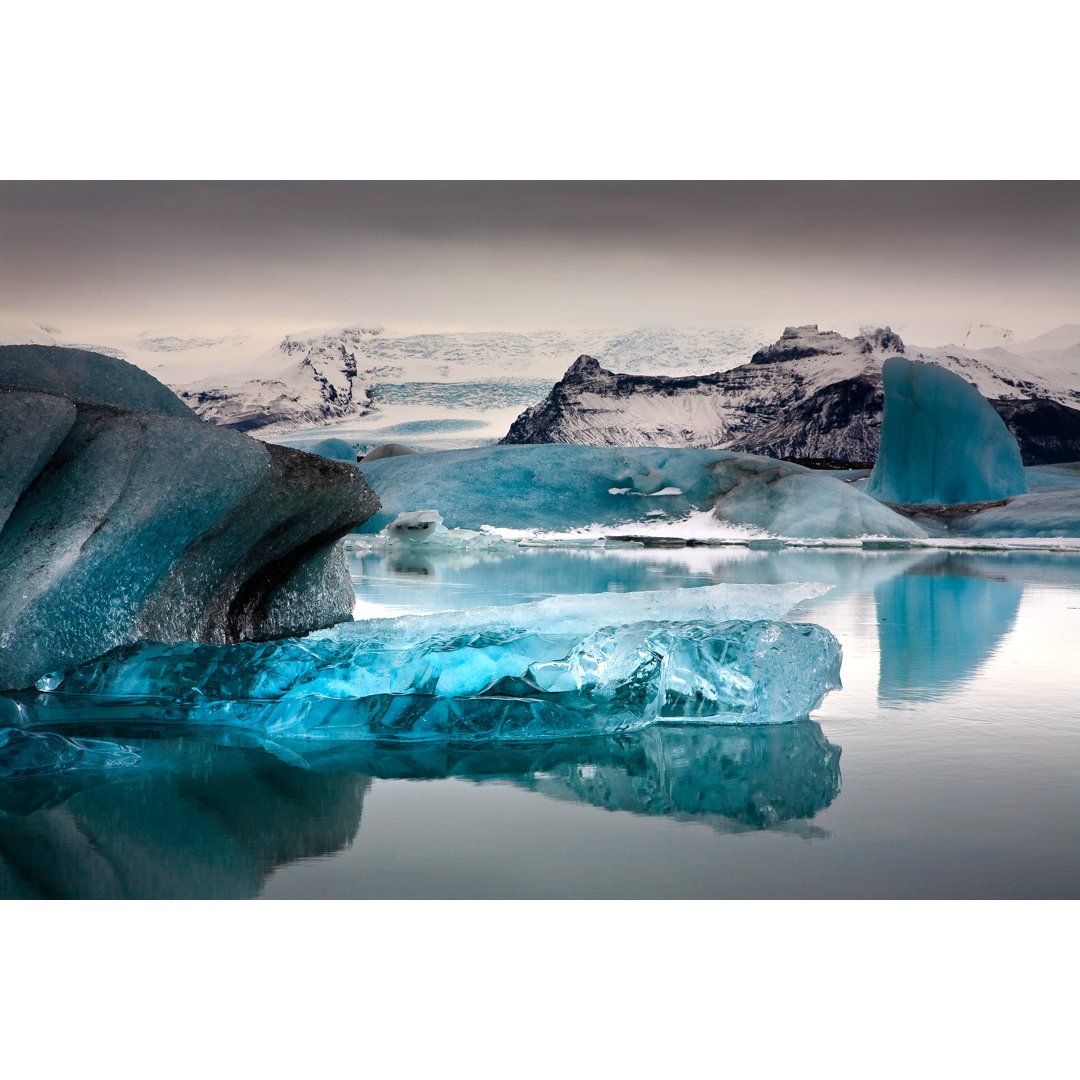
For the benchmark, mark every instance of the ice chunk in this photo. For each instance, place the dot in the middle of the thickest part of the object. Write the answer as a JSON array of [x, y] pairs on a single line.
[[565, 666], [39, 753], [333, 449], [32, 426], [416, 525], [941, 441], [390, 449], [785, 499], [1050, 511], [559, 487]]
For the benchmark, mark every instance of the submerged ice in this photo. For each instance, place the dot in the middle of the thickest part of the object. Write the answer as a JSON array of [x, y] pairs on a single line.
[[566, 666]]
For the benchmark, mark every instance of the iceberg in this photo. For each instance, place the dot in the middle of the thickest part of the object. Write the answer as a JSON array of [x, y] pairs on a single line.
[[333, 449], [123, 517], [785, 499], [385, 450], [559, 487], [562, 667], [941, 441]]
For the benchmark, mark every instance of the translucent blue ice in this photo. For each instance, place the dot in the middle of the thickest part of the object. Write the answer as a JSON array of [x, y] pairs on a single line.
[[557, 487], [334, 449], [941, 441], [567, 666]]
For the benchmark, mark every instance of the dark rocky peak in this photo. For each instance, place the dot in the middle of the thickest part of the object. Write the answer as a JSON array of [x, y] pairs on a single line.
[[798, 342], [584, 367]]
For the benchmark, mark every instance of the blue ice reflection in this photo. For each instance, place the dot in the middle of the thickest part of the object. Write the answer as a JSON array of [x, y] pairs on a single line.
[[203, 819], [938, 623]]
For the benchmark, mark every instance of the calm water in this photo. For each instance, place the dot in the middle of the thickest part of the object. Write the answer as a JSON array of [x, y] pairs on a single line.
[[948, 766]]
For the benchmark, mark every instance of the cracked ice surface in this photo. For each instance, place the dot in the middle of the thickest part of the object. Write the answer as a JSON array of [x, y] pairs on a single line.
[[565, 666]]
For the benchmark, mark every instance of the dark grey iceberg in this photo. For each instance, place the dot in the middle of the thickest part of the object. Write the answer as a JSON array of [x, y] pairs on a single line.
[[123, 517]]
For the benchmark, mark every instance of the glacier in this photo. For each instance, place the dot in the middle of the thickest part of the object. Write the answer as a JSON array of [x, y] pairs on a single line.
[[941, 441], [561, 667], [559, 487], [124, 517]]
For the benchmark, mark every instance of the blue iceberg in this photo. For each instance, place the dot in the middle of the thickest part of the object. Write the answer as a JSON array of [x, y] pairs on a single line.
[[941, 441], [562, 667], [558, 487]]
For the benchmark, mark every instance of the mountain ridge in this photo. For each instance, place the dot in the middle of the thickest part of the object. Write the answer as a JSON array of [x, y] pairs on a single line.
[[811, 394]]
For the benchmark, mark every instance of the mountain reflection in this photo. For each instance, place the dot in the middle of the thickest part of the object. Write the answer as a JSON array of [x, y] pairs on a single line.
[[939, 622], [202, 820]]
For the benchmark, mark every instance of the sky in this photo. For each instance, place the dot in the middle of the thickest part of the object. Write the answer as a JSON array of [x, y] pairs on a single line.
[[115, 258]]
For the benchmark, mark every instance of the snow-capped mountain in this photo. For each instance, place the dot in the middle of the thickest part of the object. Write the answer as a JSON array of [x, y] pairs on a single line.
[[812, 394], [395, 381], [313, 380], [437, 389]]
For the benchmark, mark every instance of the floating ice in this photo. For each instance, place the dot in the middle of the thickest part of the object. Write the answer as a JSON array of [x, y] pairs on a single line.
[[785, 499], [566, 666], [418, 525], [559, 487], [332, 449], [941, 441], [390, 449]]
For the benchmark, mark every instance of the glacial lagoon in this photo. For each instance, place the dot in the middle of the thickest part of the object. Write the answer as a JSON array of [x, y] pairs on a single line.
[[946, 766]]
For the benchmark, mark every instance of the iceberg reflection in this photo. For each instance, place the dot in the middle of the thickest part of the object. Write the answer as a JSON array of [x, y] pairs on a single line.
[[199, 819], [193, 820], [755, 776], [939, 622]]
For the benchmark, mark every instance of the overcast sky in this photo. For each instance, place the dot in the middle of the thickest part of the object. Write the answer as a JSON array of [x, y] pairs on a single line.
[[927, 258]]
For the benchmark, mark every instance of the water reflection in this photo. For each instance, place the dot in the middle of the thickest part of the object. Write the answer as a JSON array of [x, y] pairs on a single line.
[[939, 622], [193, 821], [197, 819]]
